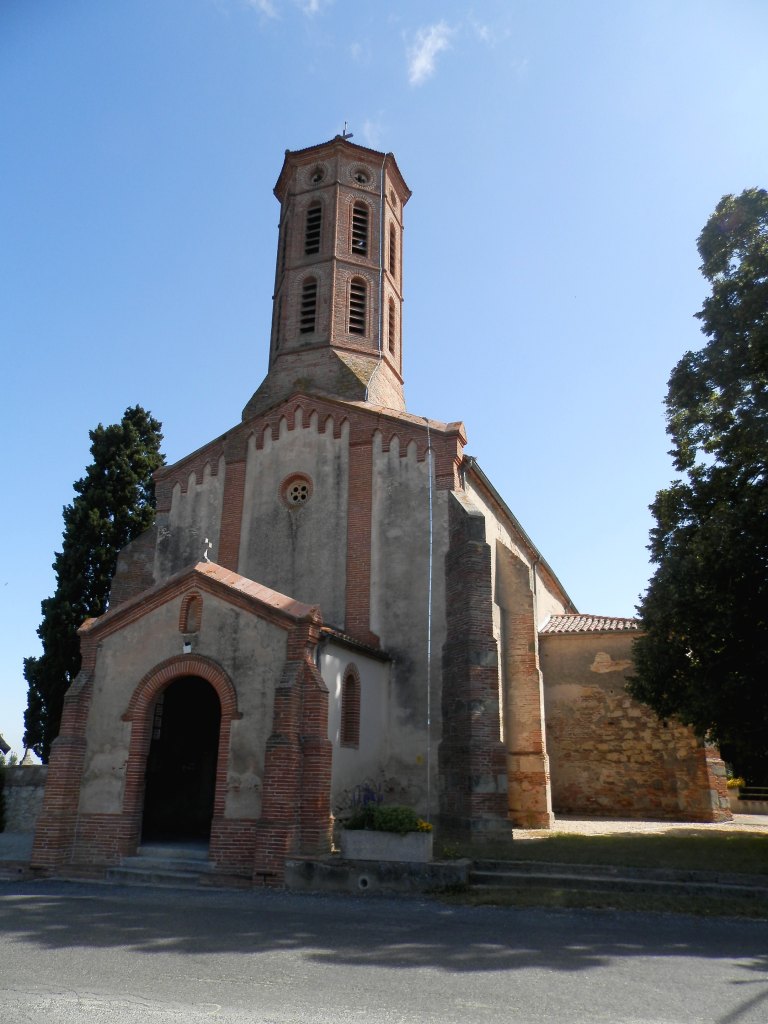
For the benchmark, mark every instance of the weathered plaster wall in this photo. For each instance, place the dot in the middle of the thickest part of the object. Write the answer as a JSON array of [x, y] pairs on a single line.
[[399, 609], [251, 651], [298, 550], [609, 755], [354, 766], [195, 515]]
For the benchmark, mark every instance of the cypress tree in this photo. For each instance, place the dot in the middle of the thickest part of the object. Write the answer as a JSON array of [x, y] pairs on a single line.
[[703, 657], [114, 502]]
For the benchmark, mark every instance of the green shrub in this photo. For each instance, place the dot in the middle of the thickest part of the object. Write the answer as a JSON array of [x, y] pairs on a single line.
[[386, 818], [361, 817], [395, 818]]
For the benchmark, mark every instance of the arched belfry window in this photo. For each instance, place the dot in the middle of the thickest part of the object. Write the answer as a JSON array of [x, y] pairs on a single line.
[[313, 228], [284, 245], [308, 311], [392, 250], [360, 229], [391, 326], [279, 323], [349, 733], [358, 305]]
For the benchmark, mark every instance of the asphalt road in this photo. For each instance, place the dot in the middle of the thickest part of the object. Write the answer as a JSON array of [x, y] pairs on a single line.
[[75, 952]]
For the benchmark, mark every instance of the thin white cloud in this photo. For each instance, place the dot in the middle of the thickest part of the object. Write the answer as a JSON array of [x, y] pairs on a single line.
[[423, 53], [265, 7], [483, 32], [270, 8], [360, 52], [372, 133], [312, 7]]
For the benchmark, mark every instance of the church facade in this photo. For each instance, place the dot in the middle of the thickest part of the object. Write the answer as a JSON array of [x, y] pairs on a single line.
[[335, 599]]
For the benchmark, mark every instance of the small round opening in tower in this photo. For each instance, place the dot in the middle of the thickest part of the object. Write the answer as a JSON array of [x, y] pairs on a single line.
[[317, 174], [361, 176], [296, 490]]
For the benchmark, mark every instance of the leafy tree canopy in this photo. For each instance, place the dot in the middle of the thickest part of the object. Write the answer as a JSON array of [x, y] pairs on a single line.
[[114, 502], [704, 654]]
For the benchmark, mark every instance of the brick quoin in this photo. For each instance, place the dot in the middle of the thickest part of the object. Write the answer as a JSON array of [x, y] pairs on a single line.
[[296, 811]]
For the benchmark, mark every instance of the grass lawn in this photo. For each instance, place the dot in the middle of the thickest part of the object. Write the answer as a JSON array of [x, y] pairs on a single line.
[[681, 850]]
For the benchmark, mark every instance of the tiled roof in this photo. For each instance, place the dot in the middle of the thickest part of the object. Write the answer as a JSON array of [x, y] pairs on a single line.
[[276, 600], [588, 624], [330, 633]]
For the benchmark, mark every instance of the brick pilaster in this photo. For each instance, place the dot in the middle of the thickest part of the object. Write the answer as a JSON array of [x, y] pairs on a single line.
[[473, 781], [530, 791], [231, 515]]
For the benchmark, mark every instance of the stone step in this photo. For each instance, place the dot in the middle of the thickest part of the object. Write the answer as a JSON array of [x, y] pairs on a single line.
[[149, 876], [174, 851], [586, 877], [177, 864]]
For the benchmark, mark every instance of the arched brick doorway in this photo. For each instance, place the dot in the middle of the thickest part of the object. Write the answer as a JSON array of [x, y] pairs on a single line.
[[140, 714], [180, 780]]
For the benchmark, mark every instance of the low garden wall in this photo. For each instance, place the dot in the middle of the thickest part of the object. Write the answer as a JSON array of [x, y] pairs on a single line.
[[24, 788]]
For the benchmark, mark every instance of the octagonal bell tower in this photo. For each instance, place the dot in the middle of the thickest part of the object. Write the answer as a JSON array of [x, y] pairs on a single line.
[[336, 322]]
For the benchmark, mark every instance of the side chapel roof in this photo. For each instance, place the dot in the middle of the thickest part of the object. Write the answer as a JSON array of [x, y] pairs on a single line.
[[558, 624]]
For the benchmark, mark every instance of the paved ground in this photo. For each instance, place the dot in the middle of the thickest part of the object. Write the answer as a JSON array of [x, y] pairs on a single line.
[[608, 826], [73, 953]]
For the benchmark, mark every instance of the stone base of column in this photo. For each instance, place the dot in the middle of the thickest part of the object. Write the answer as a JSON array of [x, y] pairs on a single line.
[[530, 798]]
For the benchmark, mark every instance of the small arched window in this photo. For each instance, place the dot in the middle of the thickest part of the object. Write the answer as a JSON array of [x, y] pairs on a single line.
[[191, 617], [350, 709], [358, 303], [391, 325], [312, 230], [392, 250], [308, 310], [360, 229]]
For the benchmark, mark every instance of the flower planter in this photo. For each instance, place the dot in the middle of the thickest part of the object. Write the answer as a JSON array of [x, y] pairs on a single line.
[[365, 844]]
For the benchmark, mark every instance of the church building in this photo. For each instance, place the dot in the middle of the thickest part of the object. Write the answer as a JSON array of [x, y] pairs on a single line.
[[334, 599]]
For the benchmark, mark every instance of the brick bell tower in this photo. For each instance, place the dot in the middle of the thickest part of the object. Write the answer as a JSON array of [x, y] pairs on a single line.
[[336, 320]]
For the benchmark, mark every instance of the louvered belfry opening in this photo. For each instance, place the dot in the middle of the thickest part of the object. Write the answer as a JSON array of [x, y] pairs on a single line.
[[391, 327], [392, 250], [357, 304], [360, 229], [308, 306], [313, 228]]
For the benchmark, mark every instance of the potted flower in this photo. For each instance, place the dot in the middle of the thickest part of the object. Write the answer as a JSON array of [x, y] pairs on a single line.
[[386, 832]]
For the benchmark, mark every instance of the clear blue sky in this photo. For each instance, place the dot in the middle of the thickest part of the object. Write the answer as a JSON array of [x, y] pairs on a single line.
[[563, 158]]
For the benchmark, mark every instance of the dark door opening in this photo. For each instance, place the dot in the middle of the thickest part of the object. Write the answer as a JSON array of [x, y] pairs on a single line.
[[181, 767]]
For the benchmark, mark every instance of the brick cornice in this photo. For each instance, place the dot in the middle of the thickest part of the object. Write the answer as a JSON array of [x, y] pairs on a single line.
[[363, 421], [244, 594]]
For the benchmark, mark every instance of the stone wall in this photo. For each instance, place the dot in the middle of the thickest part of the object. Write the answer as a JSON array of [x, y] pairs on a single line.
[[24, 788], [609, 755]]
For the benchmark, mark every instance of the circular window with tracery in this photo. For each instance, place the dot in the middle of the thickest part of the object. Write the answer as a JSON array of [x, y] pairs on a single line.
[[296, 490]]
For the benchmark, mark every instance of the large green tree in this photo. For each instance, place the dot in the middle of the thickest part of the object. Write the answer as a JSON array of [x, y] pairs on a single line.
[[114, 502], [704, 655]]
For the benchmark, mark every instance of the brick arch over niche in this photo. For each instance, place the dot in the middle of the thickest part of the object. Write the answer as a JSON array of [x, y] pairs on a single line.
[[139, 713]]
